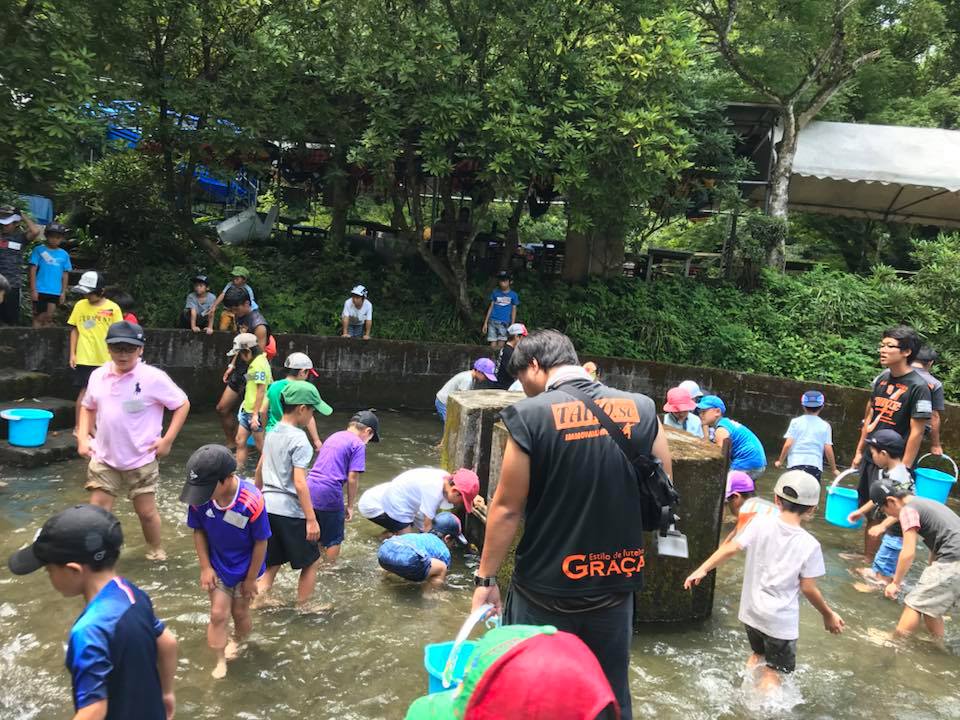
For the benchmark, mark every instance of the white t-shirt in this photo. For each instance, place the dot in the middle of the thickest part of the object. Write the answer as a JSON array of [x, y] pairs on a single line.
[[370, 504], [357, 315], [810, 434], [778, 556], [459, 382], [414, 495]]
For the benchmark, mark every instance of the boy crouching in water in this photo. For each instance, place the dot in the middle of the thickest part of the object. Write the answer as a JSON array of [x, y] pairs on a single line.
[[783, 560], [230, 532]]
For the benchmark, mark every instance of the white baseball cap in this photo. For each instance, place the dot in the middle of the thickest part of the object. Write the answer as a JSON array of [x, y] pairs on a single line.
[[691, 387], [799, 487], [90, 281], [300, 361], [10, 219], [243, 341], [359, 290]]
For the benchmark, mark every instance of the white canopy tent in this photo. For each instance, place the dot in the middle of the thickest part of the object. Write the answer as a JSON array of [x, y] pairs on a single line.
[[880, 172]]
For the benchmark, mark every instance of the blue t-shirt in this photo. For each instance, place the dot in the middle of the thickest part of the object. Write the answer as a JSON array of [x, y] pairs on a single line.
[[746, 450], [112, 654], [427, 543], [691, 424], [503, 303], [245, 286], [810, 435], [232, 531], [51, 265]]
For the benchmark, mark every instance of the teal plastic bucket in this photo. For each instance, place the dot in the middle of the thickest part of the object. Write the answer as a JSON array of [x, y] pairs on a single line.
[[934, 484], [27, 426], [435, 660], [841, 502]]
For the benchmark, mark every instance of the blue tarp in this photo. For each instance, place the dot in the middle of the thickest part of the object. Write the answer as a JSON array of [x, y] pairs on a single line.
[[39, 207]]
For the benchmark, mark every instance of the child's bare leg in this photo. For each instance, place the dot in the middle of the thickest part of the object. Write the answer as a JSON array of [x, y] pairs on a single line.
[[258, 438], [753, 661], [242, 624], [217, 629], [242, 435], [331, 554], [934, 626], [101, 498], [264, 583], [769, 680], [307, 583], [909, 622]]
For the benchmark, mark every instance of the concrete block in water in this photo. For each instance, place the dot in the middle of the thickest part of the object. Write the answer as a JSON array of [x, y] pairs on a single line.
[[699, 470], [59, 447]]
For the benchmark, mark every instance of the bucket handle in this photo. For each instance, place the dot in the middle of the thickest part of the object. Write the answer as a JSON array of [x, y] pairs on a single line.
[[956, 473], [848, 471], [481, 613], [9, 416]]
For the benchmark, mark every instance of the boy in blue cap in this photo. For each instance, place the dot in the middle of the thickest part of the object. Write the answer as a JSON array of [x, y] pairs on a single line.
[[423, 557], [746, 450], [121, 657], [808, 439]]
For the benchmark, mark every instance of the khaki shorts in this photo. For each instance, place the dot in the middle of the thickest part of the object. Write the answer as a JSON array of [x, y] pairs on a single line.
[[139, 481], [937, 590]]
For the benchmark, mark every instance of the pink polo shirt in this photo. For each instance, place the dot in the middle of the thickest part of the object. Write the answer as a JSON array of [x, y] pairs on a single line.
[[130, 412]]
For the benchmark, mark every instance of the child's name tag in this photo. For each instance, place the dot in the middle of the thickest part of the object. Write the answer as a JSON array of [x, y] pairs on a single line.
[[133, 406], [236, 519], [89, 324]]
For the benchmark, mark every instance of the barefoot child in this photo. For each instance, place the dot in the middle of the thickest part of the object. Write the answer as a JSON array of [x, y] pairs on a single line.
[[886, 452], [230, 531], [808, 439], [743, 503], [282, 475], [423, 557], [411, 500], [783, 560], [938, 589], [339, 462], [120, 656]]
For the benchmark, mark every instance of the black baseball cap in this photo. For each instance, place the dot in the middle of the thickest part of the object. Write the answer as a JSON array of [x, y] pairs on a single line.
[[235, 296], [201, 279], [366, 417], [56, 229], [208, 465], [85, 534], [880, 491], [889, 440], [503, 275], [125, 332]]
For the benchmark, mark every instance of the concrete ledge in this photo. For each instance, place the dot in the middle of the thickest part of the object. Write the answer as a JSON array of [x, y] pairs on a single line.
[[17, 384], [58, 448]]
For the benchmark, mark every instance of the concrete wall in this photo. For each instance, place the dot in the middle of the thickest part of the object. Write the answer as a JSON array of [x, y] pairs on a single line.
[[385, 373]]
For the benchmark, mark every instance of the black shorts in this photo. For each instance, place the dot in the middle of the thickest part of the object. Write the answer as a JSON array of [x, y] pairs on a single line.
[[10, 307], [388, 523], [810, 470], [237, 381], [43, 299], [869, 474], [288, 543], [81, 376], [779, 655], [332, 528]]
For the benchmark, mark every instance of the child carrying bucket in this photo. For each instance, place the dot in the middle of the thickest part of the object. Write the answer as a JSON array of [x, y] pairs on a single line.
[[886, 452], [783, 560]]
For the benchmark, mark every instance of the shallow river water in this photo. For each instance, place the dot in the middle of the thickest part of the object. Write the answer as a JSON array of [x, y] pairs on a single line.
[[363, 657]]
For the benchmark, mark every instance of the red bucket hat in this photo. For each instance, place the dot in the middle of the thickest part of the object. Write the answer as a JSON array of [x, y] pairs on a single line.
[[678, 400]]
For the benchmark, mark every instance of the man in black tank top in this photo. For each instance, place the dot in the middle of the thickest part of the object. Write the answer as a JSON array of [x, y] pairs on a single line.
[[581, 556]]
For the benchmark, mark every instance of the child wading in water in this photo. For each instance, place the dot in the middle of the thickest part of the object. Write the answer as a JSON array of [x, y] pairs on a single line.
[[886, 452], [783, 560], [230, 532], [808, 439]]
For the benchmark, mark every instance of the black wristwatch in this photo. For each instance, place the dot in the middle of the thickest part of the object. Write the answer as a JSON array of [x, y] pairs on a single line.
[[484, 581]]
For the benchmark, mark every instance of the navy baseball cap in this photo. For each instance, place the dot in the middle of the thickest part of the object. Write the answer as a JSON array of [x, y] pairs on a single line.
[[209, 465], [368, 418], [711, 401], [448, 524], [125, 332], [812, 399], [84, 534], [889, 440]]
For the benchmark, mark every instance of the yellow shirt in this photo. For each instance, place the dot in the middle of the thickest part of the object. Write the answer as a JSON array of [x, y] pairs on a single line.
[[92, 323], [258, 373]]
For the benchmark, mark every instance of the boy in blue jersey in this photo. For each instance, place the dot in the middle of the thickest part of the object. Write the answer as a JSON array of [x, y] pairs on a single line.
[[423, 557], [121, 658], [746, 450], [49, 269], [502, 311], [230, 531]]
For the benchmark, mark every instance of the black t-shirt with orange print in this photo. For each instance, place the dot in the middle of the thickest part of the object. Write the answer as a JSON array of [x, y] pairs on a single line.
[[897, 400]]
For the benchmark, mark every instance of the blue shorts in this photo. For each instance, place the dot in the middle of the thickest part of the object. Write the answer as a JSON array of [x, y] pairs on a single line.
[[441, 409], [496, 330], [355, 331], [244, 419], [332, 524], [404, 560], [885, 561]]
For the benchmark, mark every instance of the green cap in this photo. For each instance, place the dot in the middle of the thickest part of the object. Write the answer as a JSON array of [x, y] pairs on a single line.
[[300, 392], [452, 704], [240, 271]]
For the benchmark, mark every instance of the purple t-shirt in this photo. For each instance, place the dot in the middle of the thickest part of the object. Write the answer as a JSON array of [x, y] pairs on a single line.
[[232, 531], [341, 454]]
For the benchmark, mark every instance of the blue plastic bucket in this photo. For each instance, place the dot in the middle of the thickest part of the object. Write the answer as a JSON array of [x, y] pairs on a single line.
[[841, 502], [435, 660], [934, 484], [27, 426]]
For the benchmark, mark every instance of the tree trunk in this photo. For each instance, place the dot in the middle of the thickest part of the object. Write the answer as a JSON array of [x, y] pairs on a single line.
[[780, 182], [511, 239], [598, 252], [340, 200]]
